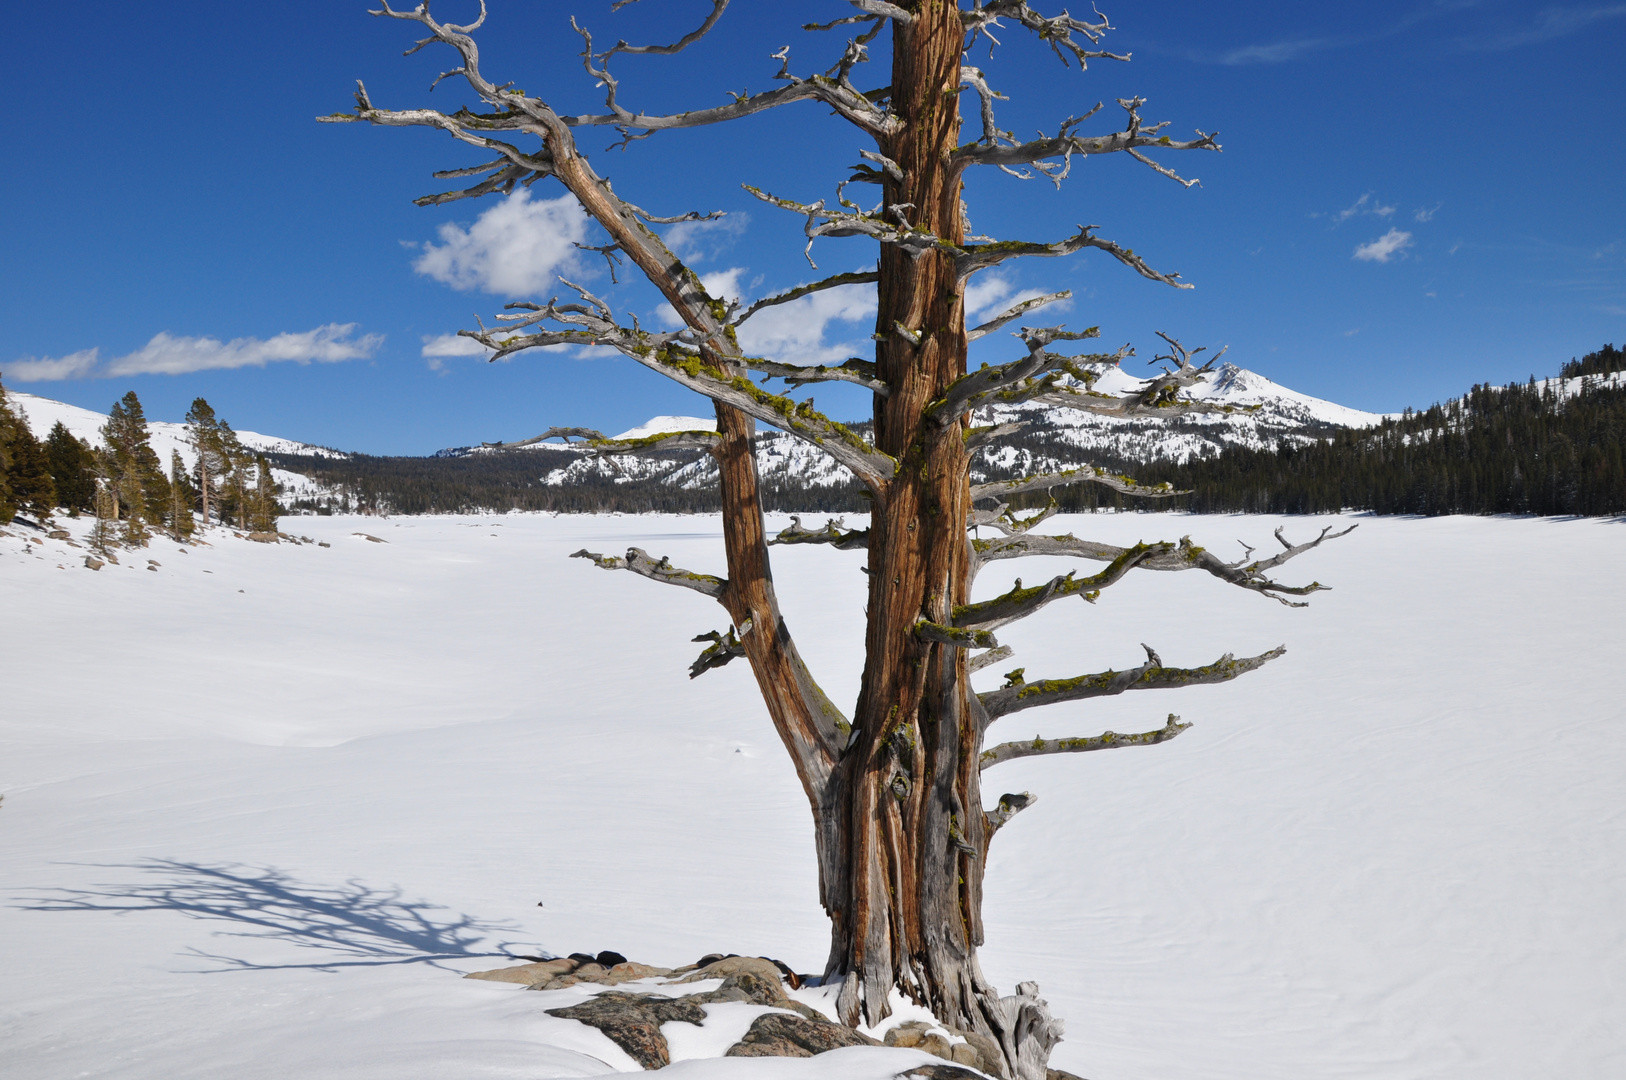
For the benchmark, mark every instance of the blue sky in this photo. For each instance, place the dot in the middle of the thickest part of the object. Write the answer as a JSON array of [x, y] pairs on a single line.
[[1413, 197]]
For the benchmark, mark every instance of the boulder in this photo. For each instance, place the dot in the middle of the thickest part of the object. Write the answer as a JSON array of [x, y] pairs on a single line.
[[735, 965], [939, 1072], [778, 1035], [633, 1022], [93, 563], [609, 959], [265, 537], [59, 534], [527, 974]]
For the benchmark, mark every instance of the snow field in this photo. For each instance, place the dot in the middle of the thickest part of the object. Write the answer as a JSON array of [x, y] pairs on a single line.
[[264, 803]]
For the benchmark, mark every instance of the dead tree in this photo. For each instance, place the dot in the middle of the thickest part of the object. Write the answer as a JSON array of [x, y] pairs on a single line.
[[901, 828]]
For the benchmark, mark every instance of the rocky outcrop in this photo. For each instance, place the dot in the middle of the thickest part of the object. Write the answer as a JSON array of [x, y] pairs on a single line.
[[633, 1021], [779, 1035]]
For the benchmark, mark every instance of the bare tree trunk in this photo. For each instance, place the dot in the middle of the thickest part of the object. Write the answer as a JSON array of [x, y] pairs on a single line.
[[912, 802]]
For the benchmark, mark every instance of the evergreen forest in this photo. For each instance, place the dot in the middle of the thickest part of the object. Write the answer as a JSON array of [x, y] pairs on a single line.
[[1550, 448], [131, 492]]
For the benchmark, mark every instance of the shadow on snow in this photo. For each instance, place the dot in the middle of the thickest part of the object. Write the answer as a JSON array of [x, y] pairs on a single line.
[[353, 924]]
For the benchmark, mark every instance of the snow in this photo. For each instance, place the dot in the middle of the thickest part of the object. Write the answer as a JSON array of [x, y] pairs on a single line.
[[659, 425], [264, 804]]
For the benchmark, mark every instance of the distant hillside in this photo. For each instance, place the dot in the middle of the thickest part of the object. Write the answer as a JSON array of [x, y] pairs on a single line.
[[1552, 447], [796, 476]]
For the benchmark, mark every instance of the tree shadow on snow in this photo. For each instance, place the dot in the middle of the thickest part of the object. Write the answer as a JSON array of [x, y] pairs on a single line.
[[353, 925]]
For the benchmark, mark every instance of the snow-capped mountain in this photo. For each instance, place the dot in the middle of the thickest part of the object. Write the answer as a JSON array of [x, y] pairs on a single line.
[[1055, 438]]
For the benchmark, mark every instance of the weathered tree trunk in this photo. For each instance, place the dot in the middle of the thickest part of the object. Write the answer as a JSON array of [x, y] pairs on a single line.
[[911, 803]]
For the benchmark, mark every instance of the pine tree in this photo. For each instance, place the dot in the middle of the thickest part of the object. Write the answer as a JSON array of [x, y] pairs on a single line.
[[181, 497], [72, 465], [235, 460], [138, 480], [265, 497], [203, 428]]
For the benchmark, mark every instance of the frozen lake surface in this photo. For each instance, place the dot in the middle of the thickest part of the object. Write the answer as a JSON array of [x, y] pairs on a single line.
[[263, 804]]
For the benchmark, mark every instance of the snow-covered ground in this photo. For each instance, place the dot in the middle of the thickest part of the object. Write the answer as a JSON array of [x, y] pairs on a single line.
[[264, 803]]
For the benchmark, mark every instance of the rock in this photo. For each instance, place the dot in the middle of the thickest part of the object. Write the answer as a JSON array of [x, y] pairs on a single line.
[[1060, 1074], [112, 558], [323, 543], [610, 959], [579, 957], [734, 965], [60, 534], [527, 974], [633, 1022], [939, 1072], [369, 536], [93, 563], [907, 1034], [264, 537], [965, 1054], [778, 1035], [626, 971], [154, 569], [990, 1059]]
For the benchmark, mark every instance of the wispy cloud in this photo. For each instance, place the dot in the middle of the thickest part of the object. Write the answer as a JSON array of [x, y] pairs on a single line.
[[167, 354], [1276, 52], [442, 347], [1426, 214], [1365, 206], [1549, 24], [697, 241], [517, 248], [1385, 248]]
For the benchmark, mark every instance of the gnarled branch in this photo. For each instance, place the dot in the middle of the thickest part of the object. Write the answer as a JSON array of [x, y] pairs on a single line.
[[1243, 573], [1084, 474], [1019, 603], [639, 562], [1107, 740], [832, 534], [1151, 675], [1009, 806], [1015, 313], [724, 647]]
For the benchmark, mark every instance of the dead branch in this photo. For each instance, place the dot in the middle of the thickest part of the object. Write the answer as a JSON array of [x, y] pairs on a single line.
[[1020, 380], [1015, 313], [1085, 474], [1007, 154], [1183, 556], [724, 647], [856, 371], [954, 636], [1019, 603], [565, 433], [835, 281], [1107, 740], [639, 562], [1151, 675], [675, 355], [1057, 32], [1009, 806], [992, 656], [835, 88], [976, 257]]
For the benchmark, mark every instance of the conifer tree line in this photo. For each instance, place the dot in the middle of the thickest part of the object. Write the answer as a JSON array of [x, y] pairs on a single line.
[[1518, 449], [131, 492]]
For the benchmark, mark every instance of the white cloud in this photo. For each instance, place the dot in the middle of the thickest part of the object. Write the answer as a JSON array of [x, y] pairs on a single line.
[[697, 241], [516, 248], [1426, 214], [79, 365], [1385, 247], [167, 354], [797, 332], [438, 348], [724, 284]]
